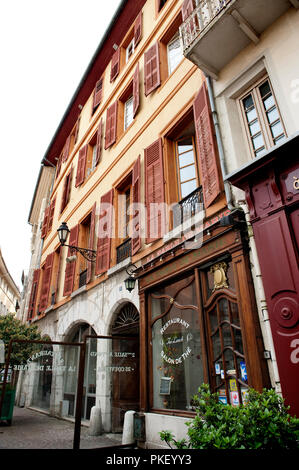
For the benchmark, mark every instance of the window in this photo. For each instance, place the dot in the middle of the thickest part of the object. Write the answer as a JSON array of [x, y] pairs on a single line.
[[130, 50], [186, 166], [262, 119], [124, 201], [83, 242], [128, 114], [174, 53], [66, 190]]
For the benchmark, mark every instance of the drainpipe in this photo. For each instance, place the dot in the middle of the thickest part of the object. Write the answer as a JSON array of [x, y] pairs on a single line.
[[227, 188]]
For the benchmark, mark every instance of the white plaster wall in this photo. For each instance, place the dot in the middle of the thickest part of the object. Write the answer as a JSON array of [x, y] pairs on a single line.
[[155, 423]]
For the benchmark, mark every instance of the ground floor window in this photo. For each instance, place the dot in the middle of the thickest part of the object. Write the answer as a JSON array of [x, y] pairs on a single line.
[[196, 337]]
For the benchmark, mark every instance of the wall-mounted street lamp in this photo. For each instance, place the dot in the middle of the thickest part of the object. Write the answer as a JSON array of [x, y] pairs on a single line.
[[131, 280], [63, 233]]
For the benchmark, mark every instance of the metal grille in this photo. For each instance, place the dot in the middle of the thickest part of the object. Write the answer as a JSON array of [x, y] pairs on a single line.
[[123, 251]]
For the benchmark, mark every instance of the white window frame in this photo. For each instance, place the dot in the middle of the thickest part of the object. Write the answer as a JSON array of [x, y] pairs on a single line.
[[128, 113], [130, 50]]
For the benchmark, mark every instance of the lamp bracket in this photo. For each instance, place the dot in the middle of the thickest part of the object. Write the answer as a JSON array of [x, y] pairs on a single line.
[[89, 255]]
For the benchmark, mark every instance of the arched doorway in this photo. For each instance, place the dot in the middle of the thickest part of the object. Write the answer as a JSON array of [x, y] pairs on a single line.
[[125, 386], [72, 366]]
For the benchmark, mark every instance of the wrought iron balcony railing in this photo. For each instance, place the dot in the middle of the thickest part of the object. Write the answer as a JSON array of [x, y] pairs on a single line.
[[188, 207], [199, 19], [123, 251]]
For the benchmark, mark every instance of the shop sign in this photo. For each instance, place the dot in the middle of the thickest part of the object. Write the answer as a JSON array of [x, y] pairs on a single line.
[[234, 399], [175, 340], [243, 371]]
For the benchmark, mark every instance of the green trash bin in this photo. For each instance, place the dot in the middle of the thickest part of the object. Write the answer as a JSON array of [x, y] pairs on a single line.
[[8, 405]]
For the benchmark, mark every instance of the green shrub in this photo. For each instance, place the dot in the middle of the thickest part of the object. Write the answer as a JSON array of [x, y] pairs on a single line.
[[263, 423]]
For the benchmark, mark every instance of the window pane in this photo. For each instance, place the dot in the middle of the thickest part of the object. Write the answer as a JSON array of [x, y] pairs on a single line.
[[248, 102], [251, 115], [277, 129], [258, 141], [265, 89], [259, 152], [186, 158], [254, 128], [128, 113], [187, 173], [272, 115], [185, 145], [187, 188], [175, 54], [279, 139], [269, 102]]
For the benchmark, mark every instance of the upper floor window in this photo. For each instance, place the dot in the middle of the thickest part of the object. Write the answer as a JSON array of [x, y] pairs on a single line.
[[128, 113], [130, 50], [263, 123], [174, 52], [188, 179]]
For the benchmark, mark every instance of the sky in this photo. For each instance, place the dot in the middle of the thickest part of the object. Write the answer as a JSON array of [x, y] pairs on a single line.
[[45, 48]]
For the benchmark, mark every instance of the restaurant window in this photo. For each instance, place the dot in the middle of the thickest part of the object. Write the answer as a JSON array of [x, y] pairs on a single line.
[[192, 345], [261, 118]]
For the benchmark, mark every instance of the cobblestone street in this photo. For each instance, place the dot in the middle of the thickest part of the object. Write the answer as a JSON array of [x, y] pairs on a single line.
[[33, 430]]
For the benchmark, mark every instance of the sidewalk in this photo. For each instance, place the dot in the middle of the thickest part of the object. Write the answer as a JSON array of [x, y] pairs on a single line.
[[33, 430]]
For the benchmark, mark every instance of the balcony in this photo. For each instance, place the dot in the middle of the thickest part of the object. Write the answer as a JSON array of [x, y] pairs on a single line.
[[123, 251], [217, 30]]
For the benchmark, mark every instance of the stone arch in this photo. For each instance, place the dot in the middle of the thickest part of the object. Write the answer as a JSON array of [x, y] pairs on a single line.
[[114, 312]]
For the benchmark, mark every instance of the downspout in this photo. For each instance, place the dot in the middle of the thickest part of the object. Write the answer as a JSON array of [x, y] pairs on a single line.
[[227, 188]]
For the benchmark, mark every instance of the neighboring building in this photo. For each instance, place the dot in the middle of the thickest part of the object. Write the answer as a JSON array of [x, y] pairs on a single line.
[[250, 51], [138, 167], [9, 291]]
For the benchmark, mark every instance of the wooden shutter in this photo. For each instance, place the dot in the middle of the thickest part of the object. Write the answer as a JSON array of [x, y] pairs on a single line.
[[136, 238], [206, 147], [33, 294], [115, 61], [154, 190], [187, 8], [152, 78], [81, 166], [136, 97], [76, 131], [97, 94], [45, 222], [104, 233], [66, 190], [58, 167], [138, 29], [46, 280], [91, 241], [66, 149], [99, 142], [70, 269], [51, 215], [110, 132]]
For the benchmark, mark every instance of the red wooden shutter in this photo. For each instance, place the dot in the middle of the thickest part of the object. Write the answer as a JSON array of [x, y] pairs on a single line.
[[154, 191], [206, 147], [97, 94], [47, 273], [56, 286], [76, 132], [110, 133], [66, 190], [51, 215], [66, 149], [152, 77], [45, 222], [104, 233], [58, 166], [187, 8], [136, 238], [115, 61], [136, 98], [99, 142], [33, 294], [70, 269], [91, 240], [81, 166], [138, 29]]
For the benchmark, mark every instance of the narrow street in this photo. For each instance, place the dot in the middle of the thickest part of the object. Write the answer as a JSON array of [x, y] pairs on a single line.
[[33, 430]]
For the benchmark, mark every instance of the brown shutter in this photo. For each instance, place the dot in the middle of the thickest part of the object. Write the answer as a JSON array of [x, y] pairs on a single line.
[[51, 215], [136, 239], [70, 269], [99, 142], [206, 147], [187, 8], [66, 190], [152, 77], [66, 149], [136, 98], [110, 133], [104, 233], [56, 286], [76, 132], [45, 222], [154, 190], [97, 94], [115, 61], [138, 29], [46, 280], [33, 294], [58, 167], [91, 240], [81, 166]]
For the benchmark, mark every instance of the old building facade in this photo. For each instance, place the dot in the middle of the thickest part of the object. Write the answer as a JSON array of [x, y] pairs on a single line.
[[141, 181]]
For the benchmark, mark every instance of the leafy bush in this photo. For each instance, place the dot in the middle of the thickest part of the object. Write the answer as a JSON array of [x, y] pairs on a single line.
[[263, 423]]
